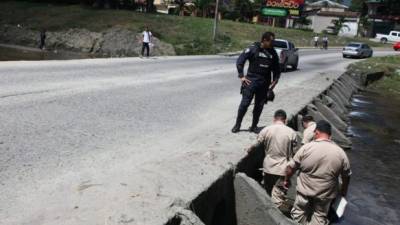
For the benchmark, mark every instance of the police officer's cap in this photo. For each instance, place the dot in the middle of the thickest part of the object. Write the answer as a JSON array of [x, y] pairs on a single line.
[[324, 127]]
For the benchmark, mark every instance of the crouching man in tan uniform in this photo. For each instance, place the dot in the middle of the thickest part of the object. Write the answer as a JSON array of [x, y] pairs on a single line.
[[309, 128], [320, 162], [279, 141]]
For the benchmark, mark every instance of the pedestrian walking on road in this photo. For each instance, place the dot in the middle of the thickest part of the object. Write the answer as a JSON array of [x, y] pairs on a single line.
[[316, 40], [263, 60], [279, 142], [146, 40], [325, 42], [309, 128], [321, 163], [42, 44]]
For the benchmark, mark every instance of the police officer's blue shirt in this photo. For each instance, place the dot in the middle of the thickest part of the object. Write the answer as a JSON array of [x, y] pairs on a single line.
[[262, 62]]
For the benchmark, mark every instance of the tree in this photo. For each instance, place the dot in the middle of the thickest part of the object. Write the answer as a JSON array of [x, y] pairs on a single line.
[[202, 5], [364, 26], [245, 10], [181, 6], [357, 5], [101, 4], [150, 7], [392, 6], [303, 22], [337, 25], [147, 6]]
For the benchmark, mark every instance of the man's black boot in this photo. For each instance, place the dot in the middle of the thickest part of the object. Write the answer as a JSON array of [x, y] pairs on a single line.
[[236, 128], [256, 118], [239, 119], [253, 129]]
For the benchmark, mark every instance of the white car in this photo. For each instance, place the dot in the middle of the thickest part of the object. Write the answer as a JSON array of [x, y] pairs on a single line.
[[288, 54], [356, 49], [393, 36]]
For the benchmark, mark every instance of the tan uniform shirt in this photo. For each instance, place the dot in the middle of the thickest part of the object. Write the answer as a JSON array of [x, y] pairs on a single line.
[[320, 163], [308, 133], [279, 141]]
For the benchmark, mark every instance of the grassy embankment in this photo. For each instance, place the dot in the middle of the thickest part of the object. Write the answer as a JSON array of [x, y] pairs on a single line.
[[389, 86], [189, 35]]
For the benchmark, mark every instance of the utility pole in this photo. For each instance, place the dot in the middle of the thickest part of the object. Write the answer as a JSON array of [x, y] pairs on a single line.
[[215, 21]]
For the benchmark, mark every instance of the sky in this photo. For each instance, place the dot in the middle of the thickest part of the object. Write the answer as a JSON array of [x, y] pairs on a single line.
[[345, 2]]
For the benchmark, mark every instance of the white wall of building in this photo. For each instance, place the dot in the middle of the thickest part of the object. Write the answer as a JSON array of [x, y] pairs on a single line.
[[349, 29], [320, 23]]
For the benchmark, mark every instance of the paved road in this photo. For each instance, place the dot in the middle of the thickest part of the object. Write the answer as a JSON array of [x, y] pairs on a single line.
[[77, 137]]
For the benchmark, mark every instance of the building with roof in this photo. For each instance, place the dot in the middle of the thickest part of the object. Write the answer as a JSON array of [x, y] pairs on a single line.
[[324, 13], [382, 16]]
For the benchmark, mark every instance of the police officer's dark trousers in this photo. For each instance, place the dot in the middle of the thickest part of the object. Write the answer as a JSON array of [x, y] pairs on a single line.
[[257, 89]]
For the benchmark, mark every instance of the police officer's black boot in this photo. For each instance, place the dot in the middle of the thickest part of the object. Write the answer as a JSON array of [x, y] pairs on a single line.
[[253, 128], [236, 128], [256, 117], [239, 119]]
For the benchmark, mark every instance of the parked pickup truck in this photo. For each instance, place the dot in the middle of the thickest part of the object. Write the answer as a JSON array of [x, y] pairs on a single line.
[[393, 36], [288, 54]]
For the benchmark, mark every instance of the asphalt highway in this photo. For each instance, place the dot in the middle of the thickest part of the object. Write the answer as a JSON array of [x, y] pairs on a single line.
[[78, 136]]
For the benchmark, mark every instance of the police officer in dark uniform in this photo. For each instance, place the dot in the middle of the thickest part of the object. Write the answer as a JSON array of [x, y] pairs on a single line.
[[263, 61]]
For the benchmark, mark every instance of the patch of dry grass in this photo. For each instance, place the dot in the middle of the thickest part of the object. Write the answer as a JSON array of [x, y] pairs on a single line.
[[390, 84]]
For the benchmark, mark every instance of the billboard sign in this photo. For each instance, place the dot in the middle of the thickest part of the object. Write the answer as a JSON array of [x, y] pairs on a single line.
[[282, 8]]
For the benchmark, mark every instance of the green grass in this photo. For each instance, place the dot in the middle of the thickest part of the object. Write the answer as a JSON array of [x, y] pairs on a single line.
[[189, 35], [389, 85]]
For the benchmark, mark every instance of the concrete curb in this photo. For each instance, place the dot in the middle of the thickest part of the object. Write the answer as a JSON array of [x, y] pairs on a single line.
[[236, 197], [254, 206]]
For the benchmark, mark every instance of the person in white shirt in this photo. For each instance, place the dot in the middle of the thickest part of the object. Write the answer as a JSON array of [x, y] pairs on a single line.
[[316, 40], [147, 36]]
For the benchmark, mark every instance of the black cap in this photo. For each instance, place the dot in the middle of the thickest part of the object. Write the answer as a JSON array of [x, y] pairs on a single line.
[[324, 127]]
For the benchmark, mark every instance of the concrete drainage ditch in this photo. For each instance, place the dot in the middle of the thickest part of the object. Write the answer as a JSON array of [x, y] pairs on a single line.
[[237, 198]]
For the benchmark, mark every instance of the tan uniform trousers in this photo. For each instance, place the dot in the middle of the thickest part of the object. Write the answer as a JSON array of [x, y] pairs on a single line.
[[273, 186], [310, 211]]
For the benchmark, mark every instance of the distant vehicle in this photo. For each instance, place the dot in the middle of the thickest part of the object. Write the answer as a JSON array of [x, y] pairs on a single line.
[[391, 37], [396, 46], [288, 54], [355, 49]]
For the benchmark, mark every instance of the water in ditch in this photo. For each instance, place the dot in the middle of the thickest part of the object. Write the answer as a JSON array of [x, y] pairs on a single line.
[[374, 194]]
